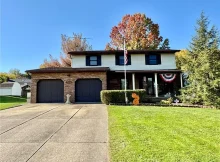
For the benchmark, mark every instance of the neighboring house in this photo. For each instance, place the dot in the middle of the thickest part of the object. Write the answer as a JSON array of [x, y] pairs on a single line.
[[93, 71], [25, 84], [10, 88]]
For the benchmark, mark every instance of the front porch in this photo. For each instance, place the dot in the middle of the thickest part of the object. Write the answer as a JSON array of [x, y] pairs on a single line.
[[152, 81]]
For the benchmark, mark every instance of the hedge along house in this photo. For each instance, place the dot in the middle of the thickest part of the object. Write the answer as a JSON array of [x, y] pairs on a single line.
[[93, 71]]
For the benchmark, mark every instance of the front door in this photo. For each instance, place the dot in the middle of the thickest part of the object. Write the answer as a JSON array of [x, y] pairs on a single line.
[[148, 84]]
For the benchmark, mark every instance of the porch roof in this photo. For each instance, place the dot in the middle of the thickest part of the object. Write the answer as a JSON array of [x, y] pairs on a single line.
[[151, 71], [67, 70]]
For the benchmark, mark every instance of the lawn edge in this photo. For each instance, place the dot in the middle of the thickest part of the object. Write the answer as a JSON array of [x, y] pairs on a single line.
[[12, 107]]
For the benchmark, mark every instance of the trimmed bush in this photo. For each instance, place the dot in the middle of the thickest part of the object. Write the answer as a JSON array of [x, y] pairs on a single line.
[[118, 96], [169, 101]]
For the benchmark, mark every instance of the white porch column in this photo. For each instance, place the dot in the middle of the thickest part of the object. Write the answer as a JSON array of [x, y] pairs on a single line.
[[181, 80], [133, 81], [156, 89]]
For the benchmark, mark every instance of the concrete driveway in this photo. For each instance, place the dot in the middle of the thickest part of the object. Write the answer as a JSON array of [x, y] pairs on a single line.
[[54, 132]]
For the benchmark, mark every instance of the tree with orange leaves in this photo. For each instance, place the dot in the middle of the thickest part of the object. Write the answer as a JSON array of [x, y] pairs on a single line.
[[74, 43], [139, 32]]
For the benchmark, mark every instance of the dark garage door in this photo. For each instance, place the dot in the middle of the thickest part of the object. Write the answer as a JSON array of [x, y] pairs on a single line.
[[88, 90], [50, 91]]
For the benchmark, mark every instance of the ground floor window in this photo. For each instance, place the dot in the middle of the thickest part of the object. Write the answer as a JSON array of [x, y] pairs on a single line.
[[123, 84], [166, 89], [145, 81]]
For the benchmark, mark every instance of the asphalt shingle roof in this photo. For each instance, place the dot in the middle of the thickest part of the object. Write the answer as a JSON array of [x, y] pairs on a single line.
[[6, 85]]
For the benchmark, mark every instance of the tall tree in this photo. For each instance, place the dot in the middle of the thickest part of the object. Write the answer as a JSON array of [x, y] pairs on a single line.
[[203, 65], [139, 32], [15, 72], [165, 44], [51, 63], [181, 58], [74, 43], [5, 76]]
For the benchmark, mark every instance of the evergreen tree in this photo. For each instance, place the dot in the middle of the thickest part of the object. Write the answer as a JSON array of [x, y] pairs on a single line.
[[165, 44], [203, 66]]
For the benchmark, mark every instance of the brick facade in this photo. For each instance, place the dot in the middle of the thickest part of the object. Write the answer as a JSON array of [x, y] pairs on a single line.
[[69, 80]]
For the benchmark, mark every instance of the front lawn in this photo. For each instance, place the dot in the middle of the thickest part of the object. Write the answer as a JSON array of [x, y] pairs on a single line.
[[11, 101], [167, 134]]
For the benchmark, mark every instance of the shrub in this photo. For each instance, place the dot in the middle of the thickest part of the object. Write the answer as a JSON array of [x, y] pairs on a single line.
[[167, 102], [118, 96]]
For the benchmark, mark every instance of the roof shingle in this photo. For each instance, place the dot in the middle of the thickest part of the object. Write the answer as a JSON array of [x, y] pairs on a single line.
[[7, 84], [104, 52], [63, 70]]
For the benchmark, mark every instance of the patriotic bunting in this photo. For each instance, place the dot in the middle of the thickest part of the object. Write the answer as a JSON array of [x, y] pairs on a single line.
[[169, 77]]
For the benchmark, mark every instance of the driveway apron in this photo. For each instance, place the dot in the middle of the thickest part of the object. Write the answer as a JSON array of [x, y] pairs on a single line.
[[54, 132]]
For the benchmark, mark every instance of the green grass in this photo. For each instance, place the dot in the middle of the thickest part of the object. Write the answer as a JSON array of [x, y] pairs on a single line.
[[11, 101], [166, 134]]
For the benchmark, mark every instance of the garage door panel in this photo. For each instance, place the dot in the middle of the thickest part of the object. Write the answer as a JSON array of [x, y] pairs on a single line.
[[50, 91], [88, 90]]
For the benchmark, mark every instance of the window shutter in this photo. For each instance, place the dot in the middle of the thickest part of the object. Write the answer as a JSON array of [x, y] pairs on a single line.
[[87, 60], [129, 60], [99, 62], [147, 59], [158, 59], [116, 60]]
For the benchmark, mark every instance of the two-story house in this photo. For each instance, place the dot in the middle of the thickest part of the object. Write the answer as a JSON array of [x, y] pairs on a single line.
[[93, 71]]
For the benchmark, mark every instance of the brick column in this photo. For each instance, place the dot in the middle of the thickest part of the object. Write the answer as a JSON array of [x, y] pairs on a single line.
[[69, 86], [34, 90]]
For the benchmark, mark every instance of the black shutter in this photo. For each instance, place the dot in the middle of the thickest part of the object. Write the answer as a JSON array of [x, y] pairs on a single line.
[[147, 59], [116, 60], [158, 59], [87, 60], [129, 60], [99, 62]]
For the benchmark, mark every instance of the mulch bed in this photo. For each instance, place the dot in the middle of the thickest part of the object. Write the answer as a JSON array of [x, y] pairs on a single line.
[[164, 105]]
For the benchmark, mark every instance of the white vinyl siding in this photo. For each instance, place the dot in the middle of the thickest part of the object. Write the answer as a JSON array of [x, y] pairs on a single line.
[[137, 62], [5, 91], [15, 90]]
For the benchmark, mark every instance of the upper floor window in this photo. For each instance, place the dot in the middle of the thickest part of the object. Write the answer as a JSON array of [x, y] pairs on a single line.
[[93, 60], [153, 59], [119, 60]]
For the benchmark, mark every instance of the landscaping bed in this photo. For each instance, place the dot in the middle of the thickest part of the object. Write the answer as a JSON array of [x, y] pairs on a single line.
[[149, 133]]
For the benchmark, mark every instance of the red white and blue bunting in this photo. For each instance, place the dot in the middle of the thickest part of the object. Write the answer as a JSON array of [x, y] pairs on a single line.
[[168, 77]]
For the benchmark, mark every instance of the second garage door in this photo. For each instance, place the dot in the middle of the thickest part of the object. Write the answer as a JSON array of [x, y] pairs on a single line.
[[50, 91], [88, 90]]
